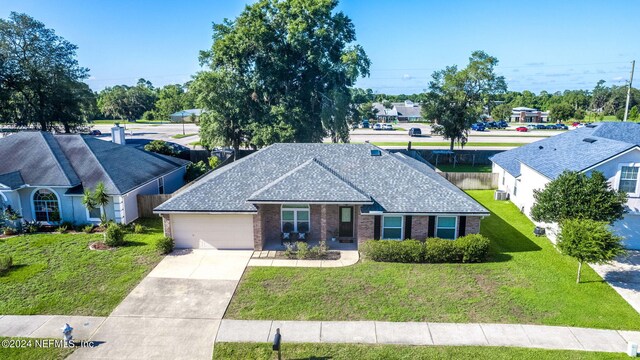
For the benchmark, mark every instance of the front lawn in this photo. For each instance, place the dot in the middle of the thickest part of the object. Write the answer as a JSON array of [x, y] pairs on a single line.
[[352, 351], [525, 281], [58, 274], [29, 350]]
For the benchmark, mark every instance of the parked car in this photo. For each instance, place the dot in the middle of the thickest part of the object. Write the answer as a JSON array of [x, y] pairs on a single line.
[[478, 127], [95, 133], [541, 127], [532, 127], [551, 127], [522, 129], [502, 124], [492, 125], [377, 126], [575, 123], [562, 127], [387, 127], [415, 132], [365, 124]]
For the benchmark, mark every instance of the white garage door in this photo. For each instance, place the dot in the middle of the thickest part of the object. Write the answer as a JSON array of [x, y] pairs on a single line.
[[212, 231], [629, 229]]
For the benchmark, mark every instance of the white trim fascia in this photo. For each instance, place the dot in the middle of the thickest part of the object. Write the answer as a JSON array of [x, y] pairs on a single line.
[[426, 214]]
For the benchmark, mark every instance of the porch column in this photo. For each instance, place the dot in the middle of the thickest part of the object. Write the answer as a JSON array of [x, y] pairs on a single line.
[[258, 233], [166, 225], [323, 222]]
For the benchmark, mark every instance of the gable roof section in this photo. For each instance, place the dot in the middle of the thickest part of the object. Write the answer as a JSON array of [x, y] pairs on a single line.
[[78, 161], [38, 158], [310, 182], [393, 184], [570, 151], [12, 180]]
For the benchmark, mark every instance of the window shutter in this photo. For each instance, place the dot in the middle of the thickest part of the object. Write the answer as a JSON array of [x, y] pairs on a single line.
[[432, 226], [376, 227], [462, 225], [407, 227]]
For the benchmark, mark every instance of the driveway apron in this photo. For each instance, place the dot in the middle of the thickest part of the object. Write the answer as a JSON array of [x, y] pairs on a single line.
[[175, 312]]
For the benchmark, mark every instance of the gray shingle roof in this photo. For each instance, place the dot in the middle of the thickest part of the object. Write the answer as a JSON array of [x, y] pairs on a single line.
[[569, 151], [394, 183], [12, 180], [312, 182], [43, 159]]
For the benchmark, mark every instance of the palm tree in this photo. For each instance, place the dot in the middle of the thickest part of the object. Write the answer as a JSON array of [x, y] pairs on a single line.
[[88, 200], [100, 196]]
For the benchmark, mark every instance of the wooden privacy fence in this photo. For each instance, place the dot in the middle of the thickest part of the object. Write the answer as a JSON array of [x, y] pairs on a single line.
[[146, 204], [471, 180]]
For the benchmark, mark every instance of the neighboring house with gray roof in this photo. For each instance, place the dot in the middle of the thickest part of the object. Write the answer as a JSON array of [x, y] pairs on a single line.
[[612, 148], [347, 192], [189, 115], [43, 176], [402, 111]]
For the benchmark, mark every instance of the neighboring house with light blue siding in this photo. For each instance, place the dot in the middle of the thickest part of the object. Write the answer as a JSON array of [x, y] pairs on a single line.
[[612, 148], [43, 177]]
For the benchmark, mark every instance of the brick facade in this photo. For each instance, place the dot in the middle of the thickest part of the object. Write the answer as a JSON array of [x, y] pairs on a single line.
[[364, 228], [166, 225], [419, 227], [473, 225]]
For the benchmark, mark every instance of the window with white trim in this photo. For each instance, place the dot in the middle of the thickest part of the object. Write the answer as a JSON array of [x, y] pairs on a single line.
[[46, 206], [392, 227], [446, 227], [295, 218], [94, 214], [628, 179]]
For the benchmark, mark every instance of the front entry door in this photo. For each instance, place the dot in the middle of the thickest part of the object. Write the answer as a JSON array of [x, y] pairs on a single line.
[[346, 221]]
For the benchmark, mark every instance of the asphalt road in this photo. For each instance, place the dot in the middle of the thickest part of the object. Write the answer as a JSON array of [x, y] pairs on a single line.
[[168, 131]]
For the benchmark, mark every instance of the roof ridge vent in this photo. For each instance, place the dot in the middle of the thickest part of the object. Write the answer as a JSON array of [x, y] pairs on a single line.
[[591, 125], [589, 140]]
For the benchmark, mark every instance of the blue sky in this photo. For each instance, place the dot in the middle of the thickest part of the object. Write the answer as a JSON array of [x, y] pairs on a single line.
[[541, 45]]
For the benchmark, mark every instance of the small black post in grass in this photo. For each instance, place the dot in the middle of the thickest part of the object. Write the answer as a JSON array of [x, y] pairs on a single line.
[[276, 343]]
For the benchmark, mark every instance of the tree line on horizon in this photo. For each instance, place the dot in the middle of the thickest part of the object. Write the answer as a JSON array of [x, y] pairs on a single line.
[[282, 71]]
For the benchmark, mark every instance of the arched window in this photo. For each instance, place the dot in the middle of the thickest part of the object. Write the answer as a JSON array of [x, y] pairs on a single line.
[[295, 218], [46, 206]]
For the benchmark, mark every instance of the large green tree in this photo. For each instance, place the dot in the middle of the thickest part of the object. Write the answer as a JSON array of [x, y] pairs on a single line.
[[297, 58], [457, 97], [127, 102], [561, 112], [576, 195], [589, 241], [171, 99], [501, 112], [40, 78]]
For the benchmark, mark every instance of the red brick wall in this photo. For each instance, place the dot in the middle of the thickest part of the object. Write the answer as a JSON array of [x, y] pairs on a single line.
[[419, 227], [364, 228]]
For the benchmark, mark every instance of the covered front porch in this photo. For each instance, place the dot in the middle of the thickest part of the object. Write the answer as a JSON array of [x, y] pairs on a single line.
[[336, 224]]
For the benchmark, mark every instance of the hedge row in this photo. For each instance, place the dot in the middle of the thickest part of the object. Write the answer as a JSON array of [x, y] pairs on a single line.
[[465, 249]]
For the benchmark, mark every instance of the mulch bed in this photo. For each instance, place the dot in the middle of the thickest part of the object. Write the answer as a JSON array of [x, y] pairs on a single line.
[[99, 245], [331, 255]]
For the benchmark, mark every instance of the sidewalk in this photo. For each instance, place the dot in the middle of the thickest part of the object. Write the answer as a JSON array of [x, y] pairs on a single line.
[[267, 258], [422, 333], [48, 326]]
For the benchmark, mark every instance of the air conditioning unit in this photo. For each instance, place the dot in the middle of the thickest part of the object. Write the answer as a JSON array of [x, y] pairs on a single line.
[[500, 195]]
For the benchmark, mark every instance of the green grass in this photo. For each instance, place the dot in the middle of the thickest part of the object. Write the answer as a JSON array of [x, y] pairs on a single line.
[[353, 351], [196, 143], [525, 281], [465, 168], [445, 143], [58, 274], [181, 136], [32, 352]]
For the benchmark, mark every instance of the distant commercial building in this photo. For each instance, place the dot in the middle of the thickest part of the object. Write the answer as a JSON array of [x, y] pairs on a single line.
[[406, 111], [528, 115]]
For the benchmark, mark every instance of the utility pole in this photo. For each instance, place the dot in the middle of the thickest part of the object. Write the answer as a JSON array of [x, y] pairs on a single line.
[[626, 107]]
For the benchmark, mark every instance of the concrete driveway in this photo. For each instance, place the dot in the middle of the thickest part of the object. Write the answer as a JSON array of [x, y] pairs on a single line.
[[175, 312], [624, 276]]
